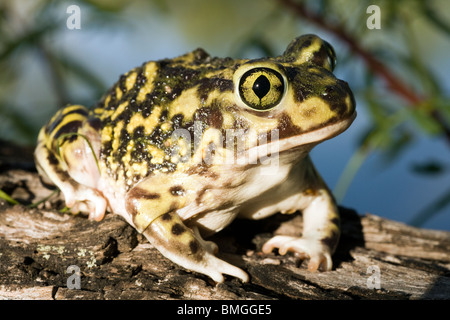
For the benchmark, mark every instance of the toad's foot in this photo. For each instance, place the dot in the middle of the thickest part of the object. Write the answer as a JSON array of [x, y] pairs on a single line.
[[88, 201], [318, 253]]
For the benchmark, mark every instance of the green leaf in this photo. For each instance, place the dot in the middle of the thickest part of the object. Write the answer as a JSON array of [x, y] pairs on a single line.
[[23, 126], [442, 105], [431, 210], [434, 18], [426, 122], [28, 38], [6, 197], [398, 143], [82, 72], [431, 167]]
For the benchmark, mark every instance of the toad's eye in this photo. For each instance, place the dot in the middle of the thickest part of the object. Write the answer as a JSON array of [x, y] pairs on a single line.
[[261, 88]]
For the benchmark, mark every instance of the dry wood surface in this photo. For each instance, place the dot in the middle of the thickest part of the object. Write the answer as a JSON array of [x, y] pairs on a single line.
[[376, 258]]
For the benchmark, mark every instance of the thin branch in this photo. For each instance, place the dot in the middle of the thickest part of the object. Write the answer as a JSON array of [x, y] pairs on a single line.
[[377, 67], [54, 74]]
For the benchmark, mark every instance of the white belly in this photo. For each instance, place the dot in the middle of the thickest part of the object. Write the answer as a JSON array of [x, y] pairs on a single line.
[[262, 195]]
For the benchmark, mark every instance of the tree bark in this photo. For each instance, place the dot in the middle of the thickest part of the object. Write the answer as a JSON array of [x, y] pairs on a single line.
[[376, 258]]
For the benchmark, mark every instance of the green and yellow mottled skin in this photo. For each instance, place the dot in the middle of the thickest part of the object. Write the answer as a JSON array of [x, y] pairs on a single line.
[[179, 147]]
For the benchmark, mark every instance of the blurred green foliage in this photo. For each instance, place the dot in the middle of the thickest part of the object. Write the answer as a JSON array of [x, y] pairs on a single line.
[[413, 102]]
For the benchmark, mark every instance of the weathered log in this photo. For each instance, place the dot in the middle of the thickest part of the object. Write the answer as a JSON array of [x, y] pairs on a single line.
[[376, 258]]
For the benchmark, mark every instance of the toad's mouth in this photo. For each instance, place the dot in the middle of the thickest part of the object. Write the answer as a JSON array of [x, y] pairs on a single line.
[[318, 135], [305, 141]]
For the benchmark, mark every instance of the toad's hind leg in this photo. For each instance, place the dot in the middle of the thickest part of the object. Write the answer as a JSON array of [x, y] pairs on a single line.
[[65, 157]]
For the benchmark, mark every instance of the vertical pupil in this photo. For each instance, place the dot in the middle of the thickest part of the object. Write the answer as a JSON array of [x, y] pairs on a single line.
[[261, 86]]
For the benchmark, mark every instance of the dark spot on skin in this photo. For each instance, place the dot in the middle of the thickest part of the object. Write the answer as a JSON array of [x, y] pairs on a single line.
[[335, 96], [201, 193], [228, 184], [193, 245], [170, 81], [177, 191], [138, 193], [335, 221], [178, 229], [130, 206], [209, 115], [63, 175], [202, 170], [106, 148], [51, 126], [296, 47], [151, 196], [311, 192], [146, 107], [52, 159], [305, 44], [319, 57], [46, 184], [122, 81], [112, 104], [200, 55], [141, 79], [71, 138], [310, 80], [163, 116], [158, 136], [207, 85], [138, 132], [95, 123], [166, 216], [62, 115], [177, 121], [304, 82], [79, 110], [287, 128], [121, 151], [291, 73], [140, 154], [70, 127]]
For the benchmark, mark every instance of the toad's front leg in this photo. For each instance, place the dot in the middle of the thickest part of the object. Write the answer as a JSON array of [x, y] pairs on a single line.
[[320, 228], [154, 214]]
